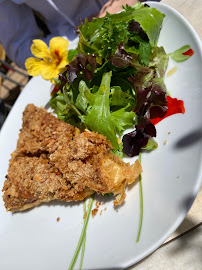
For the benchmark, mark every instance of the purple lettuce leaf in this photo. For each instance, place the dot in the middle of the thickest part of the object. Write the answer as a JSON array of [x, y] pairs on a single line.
[[84, 63], [151, 101], [137, 139], [81, 63]]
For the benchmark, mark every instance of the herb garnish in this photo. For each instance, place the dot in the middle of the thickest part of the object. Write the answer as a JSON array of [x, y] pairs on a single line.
[[82, 237], [141, 203]]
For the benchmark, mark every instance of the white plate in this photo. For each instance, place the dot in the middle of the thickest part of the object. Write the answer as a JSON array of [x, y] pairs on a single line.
[[35, 240]]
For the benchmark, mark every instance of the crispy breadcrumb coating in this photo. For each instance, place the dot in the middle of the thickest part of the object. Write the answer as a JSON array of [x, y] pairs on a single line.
[[54, 161]]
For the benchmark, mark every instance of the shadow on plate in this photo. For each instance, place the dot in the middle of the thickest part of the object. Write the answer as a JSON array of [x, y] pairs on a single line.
[[51, 204], [189, 139]]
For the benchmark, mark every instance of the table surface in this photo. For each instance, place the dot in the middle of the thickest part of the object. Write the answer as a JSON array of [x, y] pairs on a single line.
[[183, 249]]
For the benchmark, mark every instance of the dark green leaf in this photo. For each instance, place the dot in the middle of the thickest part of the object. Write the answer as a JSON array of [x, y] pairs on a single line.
[[71, 54], [145, 53]]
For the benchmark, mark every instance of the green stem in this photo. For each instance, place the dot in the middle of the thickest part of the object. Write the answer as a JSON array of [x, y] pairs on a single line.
[[84, 238], [141, 203], [70, 104], [76, 253]]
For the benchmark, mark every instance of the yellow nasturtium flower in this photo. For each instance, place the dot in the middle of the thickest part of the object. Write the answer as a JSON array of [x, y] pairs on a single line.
[[50, 61]]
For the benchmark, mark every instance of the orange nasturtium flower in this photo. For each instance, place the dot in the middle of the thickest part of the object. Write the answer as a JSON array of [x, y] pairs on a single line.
[[50, 61]]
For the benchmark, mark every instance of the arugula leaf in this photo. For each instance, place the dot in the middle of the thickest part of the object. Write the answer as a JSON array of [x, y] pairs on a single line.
[[98, 118], [178, 55]]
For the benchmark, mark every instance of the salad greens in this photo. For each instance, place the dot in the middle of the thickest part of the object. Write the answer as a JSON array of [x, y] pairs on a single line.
[[115, 77]]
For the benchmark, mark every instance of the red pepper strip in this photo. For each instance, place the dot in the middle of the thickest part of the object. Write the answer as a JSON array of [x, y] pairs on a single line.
[[174, 106], [190, 52]]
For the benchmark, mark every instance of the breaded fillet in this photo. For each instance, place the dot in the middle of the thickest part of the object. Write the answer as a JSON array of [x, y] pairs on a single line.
[[54, 161]]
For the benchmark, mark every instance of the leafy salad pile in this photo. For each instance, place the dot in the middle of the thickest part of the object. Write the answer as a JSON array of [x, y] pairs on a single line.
[[115, 78]]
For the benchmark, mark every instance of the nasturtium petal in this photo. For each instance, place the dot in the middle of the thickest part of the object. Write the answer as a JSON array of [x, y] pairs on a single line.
[[58, 47], [39, 49], [33, 66], [63, 63], [49, 71]]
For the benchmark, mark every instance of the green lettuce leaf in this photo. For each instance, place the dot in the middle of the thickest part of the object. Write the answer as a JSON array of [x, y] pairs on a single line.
[[71, 54], [98, 118], [119, 151], [81, 101], [151, 145], [121, 99], [122, 119], [102, 36], [58, 103], [144, 49], [145, 53]]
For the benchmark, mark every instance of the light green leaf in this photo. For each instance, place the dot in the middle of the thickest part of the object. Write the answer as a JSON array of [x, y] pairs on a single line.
[[81, 101], [178, 55], [98, 118], [151, 145], [122, 119]]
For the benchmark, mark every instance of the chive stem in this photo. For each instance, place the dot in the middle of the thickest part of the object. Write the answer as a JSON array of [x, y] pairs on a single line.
[[141, 203], [82, 236]]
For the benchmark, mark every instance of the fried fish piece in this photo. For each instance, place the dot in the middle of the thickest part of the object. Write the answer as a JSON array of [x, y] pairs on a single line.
[[54, 161]]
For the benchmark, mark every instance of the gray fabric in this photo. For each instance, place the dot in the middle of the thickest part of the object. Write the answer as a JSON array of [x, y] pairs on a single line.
[[18, 26]]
